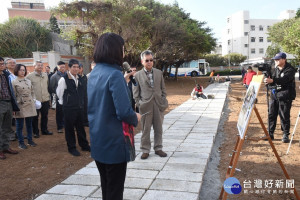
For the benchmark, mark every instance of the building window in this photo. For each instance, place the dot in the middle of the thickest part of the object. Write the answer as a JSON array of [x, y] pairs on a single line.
[[268, 39], [252, 39], [31, 5], [246, 21], [268, 27], [245, 33], [228, 20], [252, 51], [228, 31], [261, 39], [252, 28], [261, 28], [261, 50], [228, 42], [246, 45]]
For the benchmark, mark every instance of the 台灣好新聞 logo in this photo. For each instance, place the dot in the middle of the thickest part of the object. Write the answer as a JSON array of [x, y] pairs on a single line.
[[232, 186]]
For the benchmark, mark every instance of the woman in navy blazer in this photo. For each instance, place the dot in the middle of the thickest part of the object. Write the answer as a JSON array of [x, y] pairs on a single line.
[[108, 106]]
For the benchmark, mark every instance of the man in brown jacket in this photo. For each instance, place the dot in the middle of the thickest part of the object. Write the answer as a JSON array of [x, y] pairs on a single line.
[[40, 82], [150, 96]]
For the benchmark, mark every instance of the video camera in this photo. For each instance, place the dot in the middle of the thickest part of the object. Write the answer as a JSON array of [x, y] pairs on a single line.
[[265, 68]]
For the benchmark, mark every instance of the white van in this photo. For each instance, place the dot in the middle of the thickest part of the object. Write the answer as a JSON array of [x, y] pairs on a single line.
[[192, 68]]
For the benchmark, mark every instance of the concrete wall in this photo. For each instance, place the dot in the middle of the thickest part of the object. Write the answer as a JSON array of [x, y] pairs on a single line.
[[50, 59]]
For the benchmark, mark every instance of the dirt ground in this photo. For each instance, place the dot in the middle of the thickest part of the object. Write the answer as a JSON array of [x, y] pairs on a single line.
[[36, 169], [258, 161]]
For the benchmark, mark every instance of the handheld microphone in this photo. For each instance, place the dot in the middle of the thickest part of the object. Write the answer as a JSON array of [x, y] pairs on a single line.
[[127, 68]]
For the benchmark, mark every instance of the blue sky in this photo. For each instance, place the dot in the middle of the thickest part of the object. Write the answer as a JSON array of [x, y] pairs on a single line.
[[214, 12]]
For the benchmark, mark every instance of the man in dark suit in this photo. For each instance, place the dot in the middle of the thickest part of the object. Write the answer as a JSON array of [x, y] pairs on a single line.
[[150, 96]]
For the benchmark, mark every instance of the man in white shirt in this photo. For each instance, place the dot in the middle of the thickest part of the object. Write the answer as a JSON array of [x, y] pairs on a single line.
[[70, 92]]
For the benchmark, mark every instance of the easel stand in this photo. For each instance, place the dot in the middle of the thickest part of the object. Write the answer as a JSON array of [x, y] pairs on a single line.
[[237, 150]]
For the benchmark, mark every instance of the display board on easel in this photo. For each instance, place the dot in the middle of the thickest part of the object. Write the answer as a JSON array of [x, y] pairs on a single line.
[[243, 124], [248, 104]]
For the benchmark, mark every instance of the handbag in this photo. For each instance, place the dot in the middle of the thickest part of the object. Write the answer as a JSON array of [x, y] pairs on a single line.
[[128, 131]]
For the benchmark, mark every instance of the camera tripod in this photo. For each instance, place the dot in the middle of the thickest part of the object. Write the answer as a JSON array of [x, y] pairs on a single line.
[[293, 133]]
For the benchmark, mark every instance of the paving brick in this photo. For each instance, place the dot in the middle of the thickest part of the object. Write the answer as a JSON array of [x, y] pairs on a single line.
[[169, 195], [145, 166], [137, 173], [180, 175], [175, 185], [138, 183], [58, 197], [185, 167], [83, 180], [77, 190]]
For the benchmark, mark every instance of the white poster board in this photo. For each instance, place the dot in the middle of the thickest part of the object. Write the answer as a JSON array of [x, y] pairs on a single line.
[[248, 104]]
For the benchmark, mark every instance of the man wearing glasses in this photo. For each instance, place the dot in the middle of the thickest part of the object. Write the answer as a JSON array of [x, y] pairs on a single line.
[[282, 94], [7, 106], [150, 96]]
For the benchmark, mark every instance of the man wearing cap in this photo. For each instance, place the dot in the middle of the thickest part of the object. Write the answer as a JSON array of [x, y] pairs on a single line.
[[248, 77], [282, 94]]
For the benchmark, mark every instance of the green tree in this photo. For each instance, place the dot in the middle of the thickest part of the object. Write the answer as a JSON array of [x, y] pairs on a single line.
[[272, 50], [53, 25], [298, 13], [235, 58], [144, 24], [20, 36], [286, 34], [215, 60]]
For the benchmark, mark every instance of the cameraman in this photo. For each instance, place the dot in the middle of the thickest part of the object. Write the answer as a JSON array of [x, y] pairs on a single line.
[[129, 82], [283, 93]]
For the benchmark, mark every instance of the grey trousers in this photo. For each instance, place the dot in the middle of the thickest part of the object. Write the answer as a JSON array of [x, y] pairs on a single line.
[[5, 124], [155, 118]]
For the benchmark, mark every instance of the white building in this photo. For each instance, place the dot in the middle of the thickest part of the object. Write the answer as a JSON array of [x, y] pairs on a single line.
[[248, 36]]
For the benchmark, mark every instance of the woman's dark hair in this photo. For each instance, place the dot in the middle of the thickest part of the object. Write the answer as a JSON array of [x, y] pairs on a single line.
[[109, 49], [17, 69]]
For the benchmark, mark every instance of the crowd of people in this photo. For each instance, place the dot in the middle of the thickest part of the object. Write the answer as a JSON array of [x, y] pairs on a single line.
[[107, 101], [26, 96]]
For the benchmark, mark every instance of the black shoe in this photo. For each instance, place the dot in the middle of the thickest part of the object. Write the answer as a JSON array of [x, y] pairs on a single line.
[[74, 152], [36, 135], [88, 148], [285, 139], [25, 137], [271, 136], [47, 133], [32, 144], [22, 146]]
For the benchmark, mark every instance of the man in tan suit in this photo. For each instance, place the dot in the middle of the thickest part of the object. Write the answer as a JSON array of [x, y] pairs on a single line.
[[39, 81], [150, 96]]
